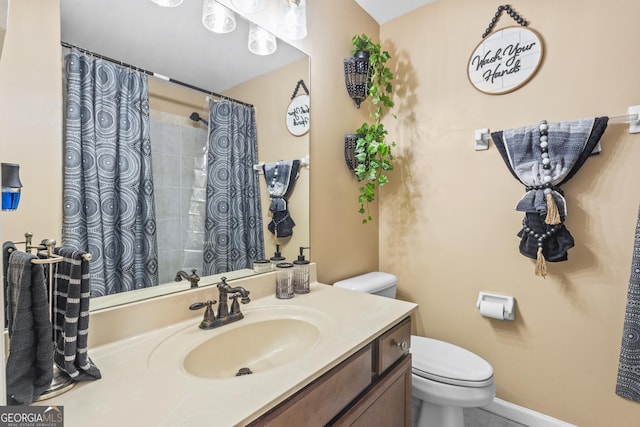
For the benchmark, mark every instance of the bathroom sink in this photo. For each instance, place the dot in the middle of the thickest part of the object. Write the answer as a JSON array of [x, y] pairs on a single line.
[[252, 348], [267, 339]]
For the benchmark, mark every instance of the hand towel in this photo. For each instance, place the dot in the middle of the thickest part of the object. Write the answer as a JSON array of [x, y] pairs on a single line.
[[280, 178], [628, 383], [71, 319], [543, 157], [30, 360]]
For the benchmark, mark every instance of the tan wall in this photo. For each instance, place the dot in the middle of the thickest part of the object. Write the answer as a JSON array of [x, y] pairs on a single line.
[[448, 226], [341, 245], [31, 117], [271, 94]]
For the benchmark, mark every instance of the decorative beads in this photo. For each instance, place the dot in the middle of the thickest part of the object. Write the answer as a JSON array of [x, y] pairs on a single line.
[[512, 13], [541, 237], [544, 147]]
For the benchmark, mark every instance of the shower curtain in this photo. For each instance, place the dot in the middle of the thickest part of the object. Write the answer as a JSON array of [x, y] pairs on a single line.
[[109, 208], [233, 224]]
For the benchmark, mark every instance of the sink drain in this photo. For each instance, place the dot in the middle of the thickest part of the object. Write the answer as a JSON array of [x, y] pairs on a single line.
[[243, 371]]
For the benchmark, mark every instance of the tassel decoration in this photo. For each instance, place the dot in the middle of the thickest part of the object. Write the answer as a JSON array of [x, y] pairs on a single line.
[[541, 264], [553, 215]]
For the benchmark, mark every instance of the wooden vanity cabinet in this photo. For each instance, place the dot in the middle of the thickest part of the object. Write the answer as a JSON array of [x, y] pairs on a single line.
[[372, 388]]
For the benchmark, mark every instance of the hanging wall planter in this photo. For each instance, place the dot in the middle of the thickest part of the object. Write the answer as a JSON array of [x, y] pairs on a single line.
[[357, 75], [350, 142], [367, 151]]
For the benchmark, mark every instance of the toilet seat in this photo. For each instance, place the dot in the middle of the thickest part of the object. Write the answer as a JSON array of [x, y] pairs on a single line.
[[449, 364]]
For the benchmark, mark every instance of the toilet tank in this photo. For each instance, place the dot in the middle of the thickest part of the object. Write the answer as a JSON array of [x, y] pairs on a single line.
[[376, 282]]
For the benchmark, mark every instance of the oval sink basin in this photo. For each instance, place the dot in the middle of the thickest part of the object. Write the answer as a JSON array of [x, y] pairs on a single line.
[[257, 346], [270, 339]]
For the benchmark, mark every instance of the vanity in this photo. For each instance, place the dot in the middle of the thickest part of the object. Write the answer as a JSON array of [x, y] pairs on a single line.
[[328, 357]]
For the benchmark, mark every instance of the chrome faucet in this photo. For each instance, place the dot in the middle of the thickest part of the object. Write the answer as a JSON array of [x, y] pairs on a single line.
[[224, 316], [193, 278]]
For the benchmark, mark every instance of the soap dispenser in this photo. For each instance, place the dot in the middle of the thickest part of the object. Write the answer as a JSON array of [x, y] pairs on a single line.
[[277, 258], [301, 273]]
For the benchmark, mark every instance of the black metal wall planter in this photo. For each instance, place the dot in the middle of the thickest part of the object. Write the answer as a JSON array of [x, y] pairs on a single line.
[[357, 76], [350, 142]]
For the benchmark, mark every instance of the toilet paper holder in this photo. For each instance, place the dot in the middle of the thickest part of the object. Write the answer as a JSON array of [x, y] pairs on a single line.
[[508, 303]]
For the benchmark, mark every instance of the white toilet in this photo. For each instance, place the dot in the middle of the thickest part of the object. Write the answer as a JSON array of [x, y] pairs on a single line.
[[446, 378]]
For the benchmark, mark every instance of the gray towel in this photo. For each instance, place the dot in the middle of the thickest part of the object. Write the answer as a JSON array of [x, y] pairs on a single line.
[[30, 361], [71, 320], [569, 146], [280, 178], [628, 384]]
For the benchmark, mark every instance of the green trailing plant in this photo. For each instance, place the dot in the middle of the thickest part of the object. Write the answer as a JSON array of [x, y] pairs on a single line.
[[372, 151]]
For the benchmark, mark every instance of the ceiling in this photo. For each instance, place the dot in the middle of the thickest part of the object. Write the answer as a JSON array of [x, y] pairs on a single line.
[[386, 10], [170, 41]]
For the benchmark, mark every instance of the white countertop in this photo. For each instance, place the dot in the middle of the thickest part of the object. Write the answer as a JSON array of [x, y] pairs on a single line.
[[138, 389]]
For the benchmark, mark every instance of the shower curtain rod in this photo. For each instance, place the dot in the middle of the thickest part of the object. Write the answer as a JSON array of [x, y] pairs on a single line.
[[156, 75]]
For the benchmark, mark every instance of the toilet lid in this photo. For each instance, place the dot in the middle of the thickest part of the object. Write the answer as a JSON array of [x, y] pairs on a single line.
[[447, 363]]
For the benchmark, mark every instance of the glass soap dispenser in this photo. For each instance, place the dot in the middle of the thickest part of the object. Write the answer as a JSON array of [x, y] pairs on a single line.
[[284, 280], [301, 273], [277, 258]]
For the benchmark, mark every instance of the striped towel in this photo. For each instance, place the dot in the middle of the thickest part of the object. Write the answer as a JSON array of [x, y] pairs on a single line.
[[71, 319], [30, 360]]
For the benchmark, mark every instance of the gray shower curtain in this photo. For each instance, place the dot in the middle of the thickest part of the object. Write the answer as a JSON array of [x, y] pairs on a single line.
[[233, 224], [108, 207]]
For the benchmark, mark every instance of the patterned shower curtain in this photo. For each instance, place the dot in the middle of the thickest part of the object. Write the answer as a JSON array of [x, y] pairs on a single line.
[[233, 224], [109, 208]]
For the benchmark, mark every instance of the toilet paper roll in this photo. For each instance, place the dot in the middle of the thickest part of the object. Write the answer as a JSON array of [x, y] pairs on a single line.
[[495, 310]]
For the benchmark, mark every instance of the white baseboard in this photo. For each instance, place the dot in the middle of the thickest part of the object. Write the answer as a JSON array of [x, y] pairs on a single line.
[[523, 415]]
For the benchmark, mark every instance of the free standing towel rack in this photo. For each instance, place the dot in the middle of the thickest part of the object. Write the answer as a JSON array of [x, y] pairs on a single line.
[[60, 382]]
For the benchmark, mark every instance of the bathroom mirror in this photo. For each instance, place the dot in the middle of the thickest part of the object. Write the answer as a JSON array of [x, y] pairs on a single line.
[[173, 42], [4, 14]]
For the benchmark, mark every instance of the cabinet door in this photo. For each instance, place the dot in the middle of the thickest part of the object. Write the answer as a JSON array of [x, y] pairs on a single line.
[[387, 404], [324, 398]]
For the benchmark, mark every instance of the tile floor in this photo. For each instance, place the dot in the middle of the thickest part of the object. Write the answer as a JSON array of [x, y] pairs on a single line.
[[476, 417]]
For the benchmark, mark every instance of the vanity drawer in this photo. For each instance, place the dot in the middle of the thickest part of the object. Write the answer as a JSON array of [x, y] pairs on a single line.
[[393, 344]]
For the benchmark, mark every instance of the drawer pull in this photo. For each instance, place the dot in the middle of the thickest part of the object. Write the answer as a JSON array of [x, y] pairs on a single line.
[[403, 345]]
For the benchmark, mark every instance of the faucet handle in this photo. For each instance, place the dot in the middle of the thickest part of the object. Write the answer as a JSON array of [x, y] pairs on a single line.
[[235, 307], [209, 314]]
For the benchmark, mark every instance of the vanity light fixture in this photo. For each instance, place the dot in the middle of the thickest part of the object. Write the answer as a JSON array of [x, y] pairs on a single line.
[[249, 6], [11, 186], [217, 18], [261, 42], [168, 3], [292, 19]]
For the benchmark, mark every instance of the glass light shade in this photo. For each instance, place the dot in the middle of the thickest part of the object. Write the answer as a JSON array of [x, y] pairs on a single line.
[[168, 3], [217, 18], [261, 42], [292, 19], [11, 186], [249, 6]]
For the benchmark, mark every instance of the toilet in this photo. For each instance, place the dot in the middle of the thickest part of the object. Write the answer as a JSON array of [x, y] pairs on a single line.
[[446, 378]]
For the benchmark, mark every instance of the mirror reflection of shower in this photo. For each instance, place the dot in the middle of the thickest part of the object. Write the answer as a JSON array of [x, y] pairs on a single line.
[[179, 170], [193, 243], [196, 118]]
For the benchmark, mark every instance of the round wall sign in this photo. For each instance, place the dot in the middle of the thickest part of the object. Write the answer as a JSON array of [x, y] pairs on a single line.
[[505, 60], [298, 117]]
